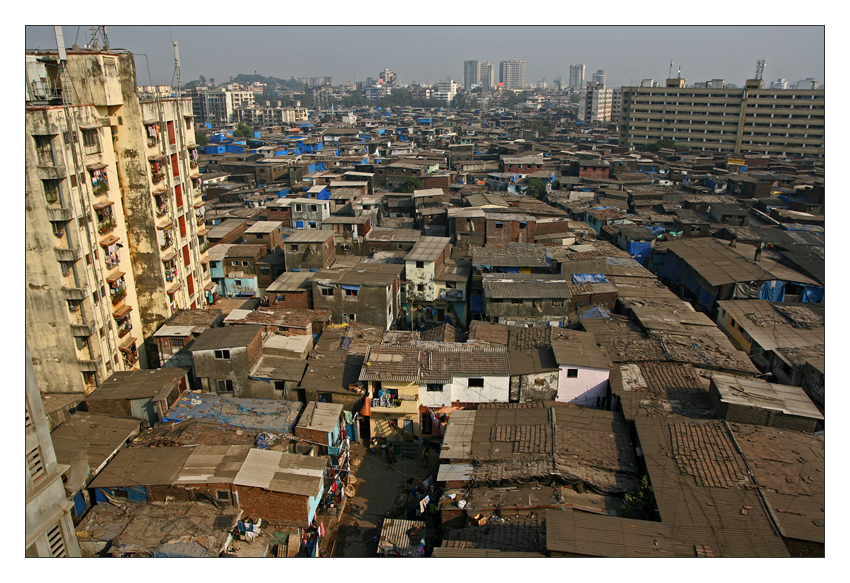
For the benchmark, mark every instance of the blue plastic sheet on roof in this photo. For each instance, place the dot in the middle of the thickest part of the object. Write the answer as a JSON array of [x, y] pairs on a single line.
[[597, 313], [812, 294], [773, 291], [657, 231], [351, 287], [584, 278]]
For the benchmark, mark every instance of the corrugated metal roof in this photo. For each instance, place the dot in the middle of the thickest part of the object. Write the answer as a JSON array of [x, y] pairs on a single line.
[[150, 384], [396, 539], [428, 249]]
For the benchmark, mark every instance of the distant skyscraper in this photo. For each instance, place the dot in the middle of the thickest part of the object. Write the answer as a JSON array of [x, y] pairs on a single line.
[[477, 73], [388, 78], [599, 77], [577, 76], [512, 74]]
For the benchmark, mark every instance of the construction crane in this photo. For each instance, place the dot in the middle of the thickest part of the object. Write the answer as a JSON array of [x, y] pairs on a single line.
[[759, 69]]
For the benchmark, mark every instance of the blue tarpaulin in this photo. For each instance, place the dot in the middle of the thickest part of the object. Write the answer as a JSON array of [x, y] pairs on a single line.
[[597, 313], [640, 251], [812, 294], [476, 304], [656, 230], [583, 278], [773, 291]]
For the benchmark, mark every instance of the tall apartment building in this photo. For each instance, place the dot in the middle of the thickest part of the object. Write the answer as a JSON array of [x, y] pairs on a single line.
[[315, 81], [114, 243], [219, 106], [599, 78], [477, 73], [444, 90], [49, 523], [577, 77], [595, 105], [512, 74], [388, 78], [751, 119]]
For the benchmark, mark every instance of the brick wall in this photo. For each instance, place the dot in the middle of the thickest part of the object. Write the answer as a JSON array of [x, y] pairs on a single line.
[[312, 435], [110, 407], [291, 299], [279, 508]]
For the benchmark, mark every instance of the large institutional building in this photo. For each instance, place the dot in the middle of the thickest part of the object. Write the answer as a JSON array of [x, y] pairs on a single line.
[[115, 241], [751, 119]]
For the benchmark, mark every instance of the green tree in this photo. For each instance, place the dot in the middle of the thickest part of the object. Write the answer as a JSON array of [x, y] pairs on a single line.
[[535, 188], [663, 143], [411, 184], [243, 131], [640, 504], [201, 139]]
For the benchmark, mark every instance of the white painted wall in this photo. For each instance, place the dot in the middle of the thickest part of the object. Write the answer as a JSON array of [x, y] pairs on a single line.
[[496, 389], [583, 389]]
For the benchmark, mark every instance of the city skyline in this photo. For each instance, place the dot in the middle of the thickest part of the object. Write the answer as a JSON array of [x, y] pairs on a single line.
[[627, 54]]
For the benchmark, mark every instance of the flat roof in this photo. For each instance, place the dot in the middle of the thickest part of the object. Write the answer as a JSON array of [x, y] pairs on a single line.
[[428, 249], [227, 337], [153, 384], [320, 416], [753, 392], [597, 535], [254, 414]]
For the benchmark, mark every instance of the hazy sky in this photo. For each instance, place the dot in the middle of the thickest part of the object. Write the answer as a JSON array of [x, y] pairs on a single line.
[[426, 54]]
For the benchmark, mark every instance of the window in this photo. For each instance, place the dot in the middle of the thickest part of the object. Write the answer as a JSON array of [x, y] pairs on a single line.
[[572, 373], [435, 388], [420, 265], [299, 208], [516, 301], [35, 464], [523, 225], [91, 141], [280, 386], [326, 398], [175, 342], [224, 386], [351, 292], [420, 287], [222, 355], [293, 247], [56, 542], [246, 263], [499, 225], [222, 495], [327, 291], [346, 318], [476, 383], [313, 208], [234, 263]]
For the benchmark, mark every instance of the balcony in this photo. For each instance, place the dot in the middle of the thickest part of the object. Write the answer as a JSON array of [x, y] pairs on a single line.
[[68, 255], [82, 330], [105, 226], [75, 293], [124, 328], [90, 365], [59, 214], [118, 294]]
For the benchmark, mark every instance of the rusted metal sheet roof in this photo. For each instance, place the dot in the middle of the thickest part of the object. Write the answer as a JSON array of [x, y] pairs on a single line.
[[400, 538]]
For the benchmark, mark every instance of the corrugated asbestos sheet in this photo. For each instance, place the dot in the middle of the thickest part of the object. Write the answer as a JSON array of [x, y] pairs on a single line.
[[597, 535], [728, 520]]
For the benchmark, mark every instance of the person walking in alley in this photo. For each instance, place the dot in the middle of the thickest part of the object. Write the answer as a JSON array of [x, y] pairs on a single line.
[[390, 457]]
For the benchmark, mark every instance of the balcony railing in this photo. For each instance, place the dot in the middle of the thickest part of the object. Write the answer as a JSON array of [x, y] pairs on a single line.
[[105, 226], [204, 248], [118, 294], [125, 329], [157, 176]]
